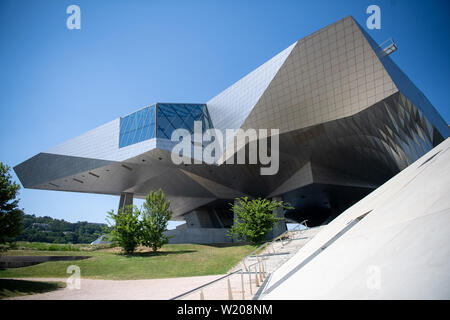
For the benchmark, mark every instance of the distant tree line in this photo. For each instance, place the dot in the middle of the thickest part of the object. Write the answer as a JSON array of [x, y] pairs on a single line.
[[48, 229]]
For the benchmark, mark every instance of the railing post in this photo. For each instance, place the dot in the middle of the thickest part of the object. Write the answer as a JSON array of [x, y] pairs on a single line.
[[250, 280], [230, 294], [202, 297], [261, 270], [242, 284], [256, 277], [260, 275], [264, 269]]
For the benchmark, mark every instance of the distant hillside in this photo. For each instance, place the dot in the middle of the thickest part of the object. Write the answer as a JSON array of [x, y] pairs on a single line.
[[47, 229]]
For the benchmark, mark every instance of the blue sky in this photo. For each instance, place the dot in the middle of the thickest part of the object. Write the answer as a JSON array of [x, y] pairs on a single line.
[[57, 83]]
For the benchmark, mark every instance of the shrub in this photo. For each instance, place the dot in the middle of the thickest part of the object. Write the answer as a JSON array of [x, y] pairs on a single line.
[[125, 231], [145, 226], [155, 215], [254, 218]]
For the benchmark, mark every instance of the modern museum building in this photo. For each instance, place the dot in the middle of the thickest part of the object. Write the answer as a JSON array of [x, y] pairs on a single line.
[[346, 120]]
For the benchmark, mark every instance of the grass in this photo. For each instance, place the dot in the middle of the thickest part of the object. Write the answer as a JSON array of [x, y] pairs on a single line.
[[173, 260], [13, 288]]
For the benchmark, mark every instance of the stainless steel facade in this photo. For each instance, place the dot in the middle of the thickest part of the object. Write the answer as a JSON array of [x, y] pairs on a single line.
[[349, 119]]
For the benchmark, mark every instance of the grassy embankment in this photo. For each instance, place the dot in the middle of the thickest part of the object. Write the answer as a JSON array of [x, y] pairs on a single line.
[[173, 260]]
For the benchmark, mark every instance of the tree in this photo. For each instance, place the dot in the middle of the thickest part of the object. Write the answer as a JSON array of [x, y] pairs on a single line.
[[155, 216], [125, 231], [10, 214], [254, 218]]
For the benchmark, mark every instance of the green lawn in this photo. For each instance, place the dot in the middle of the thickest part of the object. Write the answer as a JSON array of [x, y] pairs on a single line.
[[12, 288], [173, 260]]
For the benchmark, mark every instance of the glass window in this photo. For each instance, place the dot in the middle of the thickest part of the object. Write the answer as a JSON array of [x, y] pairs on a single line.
[[178, 115], [137, 127], [141, 125]]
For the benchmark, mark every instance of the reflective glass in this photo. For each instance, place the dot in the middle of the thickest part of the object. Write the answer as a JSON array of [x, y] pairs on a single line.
[[141, 125], [137, 127], [178, 115]]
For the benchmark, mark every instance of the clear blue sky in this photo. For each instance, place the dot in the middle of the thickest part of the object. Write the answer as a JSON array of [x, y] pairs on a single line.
[[57, 83]]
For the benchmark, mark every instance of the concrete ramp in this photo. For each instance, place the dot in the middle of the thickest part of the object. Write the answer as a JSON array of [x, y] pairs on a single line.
[[393, 244]]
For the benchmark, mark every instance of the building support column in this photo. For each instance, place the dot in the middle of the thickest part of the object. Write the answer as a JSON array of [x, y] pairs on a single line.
[[126, 199]]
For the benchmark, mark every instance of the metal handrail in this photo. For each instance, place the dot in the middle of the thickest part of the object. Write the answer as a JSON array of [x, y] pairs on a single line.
[[204, 286], [303, 223], [287, 232], [259, 275], [389, 48], [266, 244], [297, 228]]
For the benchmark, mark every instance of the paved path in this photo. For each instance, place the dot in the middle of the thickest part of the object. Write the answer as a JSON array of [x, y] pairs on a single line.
[[150, 289]]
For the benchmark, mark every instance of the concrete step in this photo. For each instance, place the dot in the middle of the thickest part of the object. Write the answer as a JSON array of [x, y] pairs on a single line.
[[281, 251]]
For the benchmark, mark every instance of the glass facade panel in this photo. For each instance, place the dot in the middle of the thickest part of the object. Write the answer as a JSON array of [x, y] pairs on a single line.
[[178, 115], [137, 127], [141, 125]]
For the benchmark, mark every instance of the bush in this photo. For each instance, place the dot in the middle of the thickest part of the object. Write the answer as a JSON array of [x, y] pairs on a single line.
[[145, 226], [126, 230], [254, 218], [155, 216]]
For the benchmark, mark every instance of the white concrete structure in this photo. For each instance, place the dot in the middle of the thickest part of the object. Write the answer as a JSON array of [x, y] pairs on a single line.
[[393, 244]]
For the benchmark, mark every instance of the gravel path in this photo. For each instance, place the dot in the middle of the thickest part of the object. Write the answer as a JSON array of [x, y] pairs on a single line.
[[150, 289]]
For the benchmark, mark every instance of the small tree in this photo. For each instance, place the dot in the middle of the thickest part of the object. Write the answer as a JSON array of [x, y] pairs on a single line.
[[155, 216], [10, 214], [125, 231], [254, 218]]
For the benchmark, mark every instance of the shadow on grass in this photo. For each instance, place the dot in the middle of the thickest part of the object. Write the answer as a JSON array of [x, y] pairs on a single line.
[[155, 254], [12, 288], [234, 244]]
